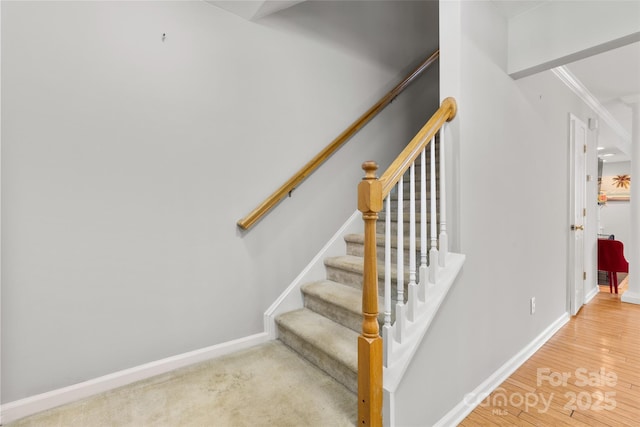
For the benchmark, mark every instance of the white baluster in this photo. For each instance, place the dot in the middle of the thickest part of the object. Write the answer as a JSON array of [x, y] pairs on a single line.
[[423, 227], [412, 299], [433, 253], [400, 307], [386, 328], [444, 239]]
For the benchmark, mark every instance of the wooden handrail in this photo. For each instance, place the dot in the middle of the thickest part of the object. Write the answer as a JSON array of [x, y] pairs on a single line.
[[270, 202], [394, 172], [371, 194]]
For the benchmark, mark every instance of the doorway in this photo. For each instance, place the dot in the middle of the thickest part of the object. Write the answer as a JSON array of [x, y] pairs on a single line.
[[578, 133]]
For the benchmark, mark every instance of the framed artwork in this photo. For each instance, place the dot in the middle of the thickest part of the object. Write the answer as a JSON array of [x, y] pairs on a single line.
[[616, 187]]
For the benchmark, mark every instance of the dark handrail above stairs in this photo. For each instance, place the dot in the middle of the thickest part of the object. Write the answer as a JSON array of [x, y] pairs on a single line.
[[271, 201]]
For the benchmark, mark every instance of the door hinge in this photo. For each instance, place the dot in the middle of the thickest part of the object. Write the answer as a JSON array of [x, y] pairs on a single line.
[[584, 211], [585, 147], [584, 275]]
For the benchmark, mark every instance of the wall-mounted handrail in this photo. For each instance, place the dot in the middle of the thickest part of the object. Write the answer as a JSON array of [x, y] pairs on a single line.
[[371, 197], [271, 201]]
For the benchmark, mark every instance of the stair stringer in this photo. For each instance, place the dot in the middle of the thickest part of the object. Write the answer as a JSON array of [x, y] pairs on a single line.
[[292, 299], [402, 353]]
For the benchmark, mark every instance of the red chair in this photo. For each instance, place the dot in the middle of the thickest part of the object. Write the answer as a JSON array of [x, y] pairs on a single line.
[[611, 259]]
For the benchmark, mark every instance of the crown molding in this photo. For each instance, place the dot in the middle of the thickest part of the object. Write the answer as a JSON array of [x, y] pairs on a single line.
[[573, 83]]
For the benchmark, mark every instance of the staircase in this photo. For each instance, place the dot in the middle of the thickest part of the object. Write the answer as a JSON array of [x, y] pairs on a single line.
[[328, 313], [326, 330]]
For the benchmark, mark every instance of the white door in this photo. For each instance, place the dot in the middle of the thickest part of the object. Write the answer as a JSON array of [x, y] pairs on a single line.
[[578, 143]]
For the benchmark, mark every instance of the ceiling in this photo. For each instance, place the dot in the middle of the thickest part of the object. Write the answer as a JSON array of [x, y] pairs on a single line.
[[612, 77]]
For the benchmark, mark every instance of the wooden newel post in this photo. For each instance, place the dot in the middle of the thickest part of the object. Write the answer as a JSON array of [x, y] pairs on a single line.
[[370, 342]]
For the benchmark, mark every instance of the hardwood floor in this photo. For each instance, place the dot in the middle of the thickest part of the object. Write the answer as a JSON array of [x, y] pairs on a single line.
[[587, 374]]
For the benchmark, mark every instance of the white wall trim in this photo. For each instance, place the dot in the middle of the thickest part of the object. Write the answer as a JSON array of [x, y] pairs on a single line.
[[591, 295], [24, 407], [471, 400], [291, 298], [15, 410], [631, 297]]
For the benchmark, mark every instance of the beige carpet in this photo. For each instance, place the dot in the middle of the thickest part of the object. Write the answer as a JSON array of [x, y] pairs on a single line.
[[267, 385]]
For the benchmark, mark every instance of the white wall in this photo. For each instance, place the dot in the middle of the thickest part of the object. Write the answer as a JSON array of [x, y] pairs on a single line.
[[127, 160], [512, 171], [615, 216]]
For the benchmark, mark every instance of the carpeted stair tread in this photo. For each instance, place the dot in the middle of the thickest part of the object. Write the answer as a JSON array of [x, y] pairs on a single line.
[[344, 296], [359, 239], [355, 264], [348, 269], [406, 194], [382, 216], [406, 182], [355, 245], [325, 343], [338, 302]]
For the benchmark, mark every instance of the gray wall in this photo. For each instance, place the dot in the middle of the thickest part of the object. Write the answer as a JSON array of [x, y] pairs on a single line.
[[127, 160], [511, 169]]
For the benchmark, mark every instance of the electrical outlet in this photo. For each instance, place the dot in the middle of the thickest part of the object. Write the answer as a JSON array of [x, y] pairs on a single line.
[[533, 305]]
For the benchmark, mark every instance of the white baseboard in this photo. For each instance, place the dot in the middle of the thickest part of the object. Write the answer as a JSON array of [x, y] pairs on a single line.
[[464, 408], [291, 298], [591, 295], [15, 410], [24, 407], [631, 297]]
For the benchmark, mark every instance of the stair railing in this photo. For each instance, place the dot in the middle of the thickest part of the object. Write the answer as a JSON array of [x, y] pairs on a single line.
[[373, 193], [285, 189]]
